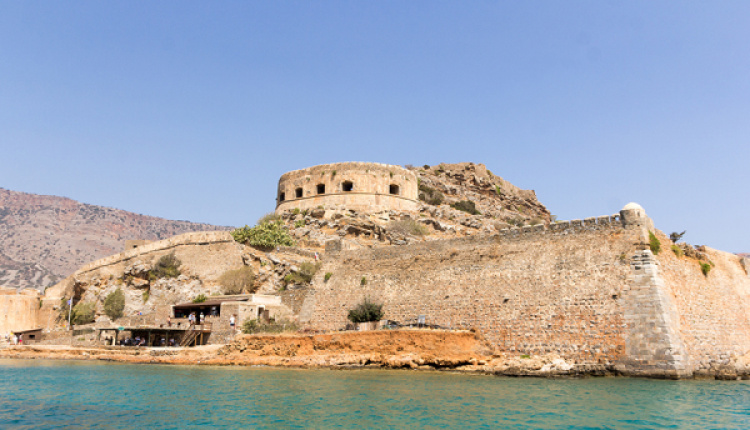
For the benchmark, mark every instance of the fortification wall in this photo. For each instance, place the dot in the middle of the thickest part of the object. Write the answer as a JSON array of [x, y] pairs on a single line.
[[713, 309], [209, 255], [368, 187], [531, 290], [18, 311], [588, 290]]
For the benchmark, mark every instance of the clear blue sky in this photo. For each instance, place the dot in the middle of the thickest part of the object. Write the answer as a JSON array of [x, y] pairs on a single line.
[[192, 110]]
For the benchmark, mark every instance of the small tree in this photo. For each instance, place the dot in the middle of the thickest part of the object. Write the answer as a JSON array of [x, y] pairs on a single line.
[[83, 313], [239, 280], [114, 304], [168, 266], [200, 298], [675, 237], [366, 312]]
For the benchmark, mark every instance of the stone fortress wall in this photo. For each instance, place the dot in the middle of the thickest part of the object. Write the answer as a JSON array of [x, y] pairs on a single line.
[[368, 187], [589, 290]]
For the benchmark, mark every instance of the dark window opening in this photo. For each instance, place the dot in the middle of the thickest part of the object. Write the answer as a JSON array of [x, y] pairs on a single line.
[[321, 189], [347, 186], [394, 189], [298, 192], [282, 196]]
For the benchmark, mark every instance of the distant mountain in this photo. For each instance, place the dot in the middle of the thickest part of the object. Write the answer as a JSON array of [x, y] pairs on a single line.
[[46, 238], [744, 254]]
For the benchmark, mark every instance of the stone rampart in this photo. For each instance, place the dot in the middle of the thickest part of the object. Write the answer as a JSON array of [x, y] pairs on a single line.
[[712, 316], [530, 290], [589, 290], [368, 187]]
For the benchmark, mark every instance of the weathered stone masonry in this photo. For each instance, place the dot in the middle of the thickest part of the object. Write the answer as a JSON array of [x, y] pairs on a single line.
[[588, 290]]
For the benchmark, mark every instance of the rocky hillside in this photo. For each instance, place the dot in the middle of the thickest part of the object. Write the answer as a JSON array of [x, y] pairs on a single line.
[[46, 238]]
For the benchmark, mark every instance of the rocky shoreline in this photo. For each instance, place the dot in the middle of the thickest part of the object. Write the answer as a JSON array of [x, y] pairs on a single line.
[[425, 350]]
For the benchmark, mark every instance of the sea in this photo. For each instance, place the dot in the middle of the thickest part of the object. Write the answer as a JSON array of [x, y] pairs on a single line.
[[42, 394]]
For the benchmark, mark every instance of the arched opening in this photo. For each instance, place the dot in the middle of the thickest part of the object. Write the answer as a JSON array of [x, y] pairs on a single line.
[[347, 186], [321, 188], [394, 189], [282, 196], [298, 192]]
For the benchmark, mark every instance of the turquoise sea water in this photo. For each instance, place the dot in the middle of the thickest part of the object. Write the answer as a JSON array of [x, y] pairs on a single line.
[[69, 394]]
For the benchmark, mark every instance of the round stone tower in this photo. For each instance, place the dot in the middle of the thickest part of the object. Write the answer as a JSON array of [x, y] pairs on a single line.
[[365, 187], [633, 215]]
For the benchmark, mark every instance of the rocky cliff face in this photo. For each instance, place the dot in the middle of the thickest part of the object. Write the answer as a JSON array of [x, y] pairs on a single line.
[[45, 238]]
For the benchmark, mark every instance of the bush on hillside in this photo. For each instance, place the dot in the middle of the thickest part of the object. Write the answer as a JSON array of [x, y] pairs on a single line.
[[366, 312], [430, 195], [409, 227], [168, 266], [239, 280], [114, 304], [83, 313], [267, 235], [304, 275], [466, 206], [269, 217]]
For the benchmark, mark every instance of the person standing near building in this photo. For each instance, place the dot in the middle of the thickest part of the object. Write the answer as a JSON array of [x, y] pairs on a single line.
[[202, 318], [231, 322]]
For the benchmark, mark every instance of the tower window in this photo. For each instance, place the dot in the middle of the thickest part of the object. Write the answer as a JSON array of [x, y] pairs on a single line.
[[321, 188], [282, 196], [347, 186], [298, 192], [393, 189]]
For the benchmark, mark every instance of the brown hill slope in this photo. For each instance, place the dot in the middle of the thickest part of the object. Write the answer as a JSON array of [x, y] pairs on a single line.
[[45, 238]]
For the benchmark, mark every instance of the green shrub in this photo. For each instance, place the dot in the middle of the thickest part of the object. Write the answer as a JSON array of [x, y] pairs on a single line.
[[238, 280], [653, 243], [83, 313], [146, 295], [677, 251], [525, 356], [430, 195], [255, 326], [366, 312], [304, 275], [328, 276], [114, 304], [168, 266], [268, 235], [466, 206], [299, 223], [363, 281], [200, 298], [408, 226], [269, 217], [705, 268], [498, 190], [296, 211]]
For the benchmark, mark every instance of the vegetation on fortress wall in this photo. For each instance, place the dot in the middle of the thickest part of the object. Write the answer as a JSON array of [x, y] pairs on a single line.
[[114, 304], [430, 195], [168, 266], [365, 312], [239, 280], [654, 243], [304, 275], [267, 235], [83, 313]]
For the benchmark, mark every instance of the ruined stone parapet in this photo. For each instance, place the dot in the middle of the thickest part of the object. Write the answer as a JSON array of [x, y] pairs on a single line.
[[366, 187], [195, 238]]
